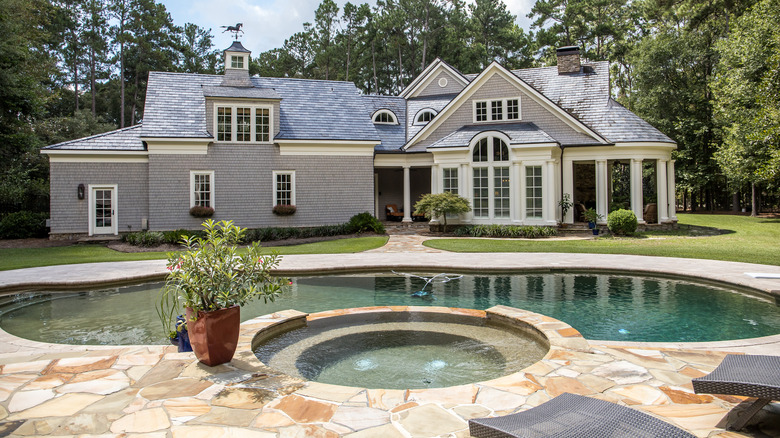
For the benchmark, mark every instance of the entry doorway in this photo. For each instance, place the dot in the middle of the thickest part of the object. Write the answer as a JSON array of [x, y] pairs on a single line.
[[102, 211]]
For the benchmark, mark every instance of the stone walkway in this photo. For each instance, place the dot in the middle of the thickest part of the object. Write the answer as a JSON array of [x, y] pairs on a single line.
[[152, 391]]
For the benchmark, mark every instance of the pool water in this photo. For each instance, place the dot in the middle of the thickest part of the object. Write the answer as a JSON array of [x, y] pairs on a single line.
[[605, 307]]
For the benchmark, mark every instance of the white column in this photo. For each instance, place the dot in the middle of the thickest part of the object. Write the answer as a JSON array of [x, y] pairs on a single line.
[[407, 196], [514, 191], [661, 190], [550, 200], [672, 192], [602, 186], [522, 188], [567, 170], [435, 179], [636, 190], [464, 188]]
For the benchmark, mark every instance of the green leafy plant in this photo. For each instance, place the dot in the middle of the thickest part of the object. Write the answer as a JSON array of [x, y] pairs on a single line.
[[590, 215], [365, 221], [622, 222], [565, 204], [23, 224], [284, 210], [516, 231], [200, 211], [440, 205], [212, 273]]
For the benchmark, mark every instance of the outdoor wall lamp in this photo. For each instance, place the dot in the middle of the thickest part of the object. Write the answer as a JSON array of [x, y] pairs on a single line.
[[80, 191]]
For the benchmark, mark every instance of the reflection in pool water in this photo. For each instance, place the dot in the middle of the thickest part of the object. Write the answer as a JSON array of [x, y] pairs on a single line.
[[607, 307]]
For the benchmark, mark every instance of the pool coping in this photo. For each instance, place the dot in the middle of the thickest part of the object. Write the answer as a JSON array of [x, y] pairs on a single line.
[[732, 274]]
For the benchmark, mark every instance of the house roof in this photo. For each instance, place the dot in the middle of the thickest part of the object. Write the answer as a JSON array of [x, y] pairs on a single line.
[[415, 105], [126, 139], [393, 136], [518, 133], [241, 92]]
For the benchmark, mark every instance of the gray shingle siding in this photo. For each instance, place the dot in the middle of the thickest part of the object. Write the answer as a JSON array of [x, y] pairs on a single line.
[[71, 215], [495, 88], [243, 183], [434, 89]]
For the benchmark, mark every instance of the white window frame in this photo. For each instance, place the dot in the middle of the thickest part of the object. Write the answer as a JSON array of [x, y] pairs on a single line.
[[253, 123], [274, 197], [244, 59], [114, 204], [504, 110], [454, 180], [210, 173], [525, 197], [389, 113], [419, 113], [491, 165]]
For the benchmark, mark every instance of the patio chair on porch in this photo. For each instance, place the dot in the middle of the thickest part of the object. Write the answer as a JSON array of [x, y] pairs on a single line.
[[745, 375], [392, 213], [575, 416]]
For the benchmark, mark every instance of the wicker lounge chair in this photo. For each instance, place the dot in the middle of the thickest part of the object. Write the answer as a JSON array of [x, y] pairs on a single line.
[[575, 416], [745, 375]]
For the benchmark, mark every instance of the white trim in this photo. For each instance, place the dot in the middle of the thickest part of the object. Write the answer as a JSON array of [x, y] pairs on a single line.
[[323, 148], [415, 122], [177, 148], [443, 82], [401, 160], [210, 173], [493, 69], [504, 108], [657, 144], [91, 152], [427, 76], [114, 207], [97, 159], [205, 140], [273, 186], [228, 60], [252, 122], [331, 142], [384, 111]]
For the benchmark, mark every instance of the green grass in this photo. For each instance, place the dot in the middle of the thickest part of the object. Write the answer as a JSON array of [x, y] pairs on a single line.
[[32, 257], [746, 239]]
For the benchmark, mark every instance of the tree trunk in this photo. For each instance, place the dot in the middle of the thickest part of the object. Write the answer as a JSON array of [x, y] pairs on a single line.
[[92, 79], [753, 200], [373, 60], [122, 74], [349, 52], [694, 199], [400, 70], [735, 202], [135, 99]]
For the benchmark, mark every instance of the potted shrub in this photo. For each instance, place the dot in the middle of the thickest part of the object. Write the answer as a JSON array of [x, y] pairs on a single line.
[[284, 210], [592, 217], [211, 279], [201, 211], [565, 205]]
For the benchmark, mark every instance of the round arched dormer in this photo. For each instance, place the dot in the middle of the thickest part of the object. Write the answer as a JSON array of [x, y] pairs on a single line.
[[424, 116], [385, 117]]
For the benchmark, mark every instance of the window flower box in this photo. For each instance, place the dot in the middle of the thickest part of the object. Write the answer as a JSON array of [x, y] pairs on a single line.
[[284, 210], [200, 211]]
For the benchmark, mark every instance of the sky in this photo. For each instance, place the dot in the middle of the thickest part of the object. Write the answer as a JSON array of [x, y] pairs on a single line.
[[267, 23]]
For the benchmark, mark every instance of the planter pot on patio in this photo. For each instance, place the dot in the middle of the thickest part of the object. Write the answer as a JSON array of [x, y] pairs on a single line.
[[214, 335], [591, 225], [595, 231]]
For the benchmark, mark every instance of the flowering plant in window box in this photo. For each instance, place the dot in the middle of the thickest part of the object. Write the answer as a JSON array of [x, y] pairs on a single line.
[[284, 210], [201, 211]]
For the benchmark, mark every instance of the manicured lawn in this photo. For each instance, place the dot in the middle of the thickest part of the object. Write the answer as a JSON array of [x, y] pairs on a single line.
[[31, 257], [752, 240]]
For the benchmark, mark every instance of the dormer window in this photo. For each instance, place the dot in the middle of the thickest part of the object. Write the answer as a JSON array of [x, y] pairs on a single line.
[[424, 116], [236, 61], [497, 110], [385, 117], [243, 124]]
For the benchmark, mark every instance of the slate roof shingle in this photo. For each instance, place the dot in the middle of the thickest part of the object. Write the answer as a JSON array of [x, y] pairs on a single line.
[[518, 133], [126, 139], [393, 136], [241, 92]]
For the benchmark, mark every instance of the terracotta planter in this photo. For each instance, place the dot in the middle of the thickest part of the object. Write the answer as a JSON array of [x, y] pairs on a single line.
[[214, 335]]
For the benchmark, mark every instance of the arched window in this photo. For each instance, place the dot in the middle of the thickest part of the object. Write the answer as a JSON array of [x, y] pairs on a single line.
[[424, 116], [491, 199], [385, 117]]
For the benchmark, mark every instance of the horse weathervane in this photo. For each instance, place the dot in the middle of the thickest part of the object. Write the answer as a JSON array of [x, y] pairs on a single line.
[[235, 30]]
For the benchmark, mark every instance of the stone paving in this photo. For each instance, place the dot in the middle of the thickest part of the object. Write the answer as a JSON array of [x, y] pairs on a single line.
[[152, 391]]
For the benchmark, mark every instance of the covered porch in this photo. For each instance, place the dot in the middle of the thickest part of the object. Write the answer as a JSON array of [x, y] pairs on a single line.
[[399, 182]]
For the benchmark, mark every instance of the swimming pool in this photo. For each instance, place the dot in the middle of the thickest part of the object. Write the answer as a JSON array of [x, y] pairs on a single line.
[[600, 306]]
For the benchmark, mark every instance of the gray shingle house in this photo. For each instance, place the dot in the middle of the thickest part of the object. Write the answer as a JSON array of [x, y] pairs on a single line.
[[512, 142]]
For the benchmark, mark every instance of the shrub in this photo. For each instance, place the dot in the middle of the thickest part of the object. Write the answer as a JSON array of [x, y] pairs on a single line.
[[622, 222], [525, 231], [441, 204], [23, 224], [284, 210], [200, 211], [144, 238], [175, 237], [365, 222]]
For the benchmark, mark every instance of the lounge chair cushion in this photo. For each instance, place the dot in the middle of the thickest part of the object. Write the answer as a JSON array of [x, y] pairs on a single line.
[[575, 416], [747, 375]]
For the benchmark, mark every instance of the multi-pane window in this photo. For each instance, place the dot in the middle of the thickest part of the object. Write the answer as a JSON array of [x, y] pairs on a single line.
[[202, 186], [501, 192], [243, 124], [284, 188], [481, 151], [500, 110], [497, 110], [533, 192], [480, 111], [450, 180], [512, 109], [236, 61], [500, 151], [424, 116], [481, 193], [224, 124], [385, 117], [262, 124]]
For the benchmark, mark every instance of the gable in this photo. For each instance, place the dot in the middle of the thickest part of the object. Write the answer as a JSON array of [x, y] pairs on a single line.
[[428, 81], [500, 85], [441, 83]]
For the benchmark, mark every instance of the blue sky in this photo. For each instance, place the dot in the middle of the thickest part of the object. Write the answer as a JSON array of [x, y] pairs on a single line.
[[267, 23]]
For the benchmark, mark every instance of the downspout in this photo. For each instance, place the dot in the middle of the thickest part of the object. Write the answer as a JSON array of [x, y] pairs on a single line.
[[563, 217]]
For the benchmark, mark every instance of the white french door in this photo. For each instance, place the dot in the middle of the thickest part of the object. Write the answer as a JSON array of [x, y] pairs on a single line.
[[103, 208]]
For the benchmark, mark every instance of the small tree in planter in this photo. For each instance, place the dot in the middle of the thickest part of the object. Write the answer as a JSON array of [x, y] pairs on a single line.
[[592, 217], [441, 204], [565, 204], [211, 279]]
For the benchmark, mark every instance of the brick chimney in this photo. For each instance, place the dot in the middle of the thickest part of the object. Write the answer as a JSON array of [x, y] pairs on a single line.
[[568, 60], [236, 66]]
